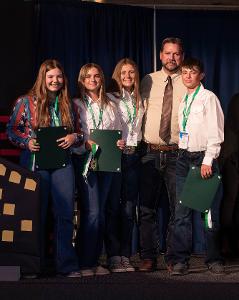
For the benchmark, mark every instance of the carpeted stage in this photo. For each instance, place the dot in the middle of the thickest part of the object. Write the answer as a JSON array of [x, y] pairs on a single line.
[[198, 284]]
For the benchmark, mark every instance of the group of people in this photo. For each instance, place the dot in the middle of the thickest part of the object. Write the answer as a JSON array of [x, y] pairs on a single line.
[[168, 122]]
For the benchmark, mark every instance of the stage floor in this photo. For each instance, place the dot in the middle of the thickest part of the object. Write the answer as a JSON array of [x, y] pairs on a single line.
[[198, 284]]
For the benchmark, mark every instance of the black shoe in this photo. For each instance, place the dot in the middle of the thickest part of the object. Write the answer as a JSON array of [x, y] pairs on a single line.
[[179, 269], [216, 268]]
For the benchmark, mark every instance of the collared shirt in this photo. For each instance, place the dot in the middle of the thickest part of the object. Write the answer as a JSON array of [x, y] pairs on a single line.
[[110, 118], [152, 92], [205, 125], [136, 127]]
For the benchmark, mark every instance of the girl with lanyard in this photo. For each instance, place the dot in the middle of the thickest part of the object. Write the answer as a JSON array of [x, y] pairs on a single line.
[[47, 104], [131, 111], [99, 193]]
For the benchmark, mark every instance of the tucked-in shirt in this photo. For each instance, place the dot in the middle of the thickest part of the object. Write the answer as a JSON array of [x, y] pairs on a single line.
[[152, 92], [127, 126], [205, 125], [110, 118]]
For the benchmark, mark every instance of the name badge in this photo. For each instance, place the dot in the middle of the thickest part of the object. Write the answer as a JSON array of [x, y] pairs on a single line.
[[183, 139], [132, 139]]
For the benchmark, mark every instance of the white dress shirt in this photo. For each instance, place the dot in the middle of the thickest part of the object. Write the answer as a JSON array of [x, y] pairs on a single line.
[[110, 118], [205, 125], [127, 126]]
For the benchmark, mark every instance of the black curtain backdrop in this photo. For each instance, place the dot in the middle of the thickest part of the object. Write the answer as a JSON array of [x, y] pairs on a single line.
[[16, 51], [77, 33], [211, 36]]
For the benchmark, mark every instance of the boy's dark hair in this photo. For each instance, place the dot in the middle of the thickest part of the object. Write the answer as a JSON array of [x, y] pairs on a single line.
[[191, 62]]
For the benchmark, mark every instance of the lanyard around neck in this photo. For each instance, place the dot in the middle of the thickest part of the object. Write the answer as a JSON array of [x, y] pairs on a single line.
[[56, 120], [131, 116], [89, 106], [187, 108]]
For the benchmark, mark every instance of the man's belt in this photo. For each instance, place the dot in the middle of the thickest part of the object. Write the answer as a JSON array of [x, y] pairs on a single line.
[[162, 148]]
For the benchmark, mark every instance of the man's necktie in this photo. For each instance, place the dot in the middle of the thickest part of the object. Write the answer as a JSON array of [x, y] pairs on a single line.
[[165, 125]]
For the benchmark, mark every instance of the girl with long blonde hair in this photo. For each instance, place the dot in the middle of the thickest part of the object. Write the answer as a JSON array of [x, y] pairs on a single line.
[[99, 194], [127, 98]]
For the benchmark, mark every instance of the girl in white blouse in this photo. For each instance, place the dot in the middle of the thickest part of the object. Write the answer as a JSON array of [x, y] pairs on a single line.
[[99, 194], [131, 111]]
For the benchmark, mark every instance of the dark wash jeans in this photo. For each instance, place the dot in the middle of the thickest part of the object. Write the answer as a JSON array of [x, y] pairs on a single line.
[[181, 238], [99, 201], [157, 168], [129, 200], [60, 184]]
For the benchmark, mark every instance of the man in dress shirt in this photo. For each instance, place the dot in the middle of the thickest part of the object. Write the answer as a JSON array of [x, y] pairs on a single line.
[[201, 123], [159, 161]]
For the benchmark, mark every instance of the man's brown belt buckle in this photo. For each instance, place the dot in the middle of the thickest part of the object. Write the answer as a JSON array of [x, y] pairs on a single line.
[[163, 148]]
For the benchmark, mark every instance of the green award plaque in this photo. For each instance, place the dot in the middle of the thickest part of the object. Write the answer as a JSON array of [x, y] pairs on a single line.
[[51, 156], [198, 193], [108, 155]]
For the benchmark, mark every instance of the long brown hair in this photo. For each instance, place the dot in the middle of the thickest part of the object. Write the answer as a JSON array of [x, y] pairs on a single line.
[[117, 77], [39, 90], [81, 78]]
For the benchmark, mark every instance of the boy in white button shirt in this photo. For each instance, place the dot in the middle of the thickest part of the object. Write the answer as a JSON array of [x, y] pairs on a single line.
[[201, 123]]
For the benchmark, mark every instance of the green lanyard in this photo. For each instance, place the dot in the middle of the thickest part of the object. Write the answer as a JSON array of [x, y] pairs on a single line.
[[186, 110], [55, 113], [131, 117], [93, 115]]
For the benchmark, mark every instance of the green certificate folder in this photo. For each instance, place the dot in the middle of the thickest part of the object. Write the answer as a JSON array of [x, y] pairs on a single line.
[[51, 156], [108, 156], [198, 193]]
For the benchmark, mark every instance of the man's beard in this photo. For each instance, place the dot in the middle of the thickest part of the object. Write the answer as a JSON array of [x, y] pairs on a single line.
[[172, 69]]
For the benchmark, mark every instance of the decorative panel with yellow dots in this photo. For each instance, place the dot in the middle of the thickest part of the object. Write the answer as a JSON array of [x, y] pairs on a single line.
[[19, 217]]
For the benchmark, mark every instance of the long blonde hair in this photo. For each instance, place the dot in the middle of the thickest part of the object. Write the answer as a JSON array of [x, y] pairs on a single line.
[[81, 87], [39, 90], [117, 77]]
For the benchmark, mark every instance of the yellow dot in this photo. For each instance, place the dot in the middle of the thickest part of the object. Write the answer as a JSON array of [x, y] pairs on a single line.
[[26, 225], [30, 184], [7, 235], [9, 209], [2, 170], [15, 177]]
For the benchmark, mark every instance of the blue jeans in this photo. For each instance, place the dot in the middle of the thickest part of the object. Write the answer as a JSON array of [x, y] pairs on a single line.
[[129, 199], [60, 184], [99, 201], [158, 168], [181, 238]]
